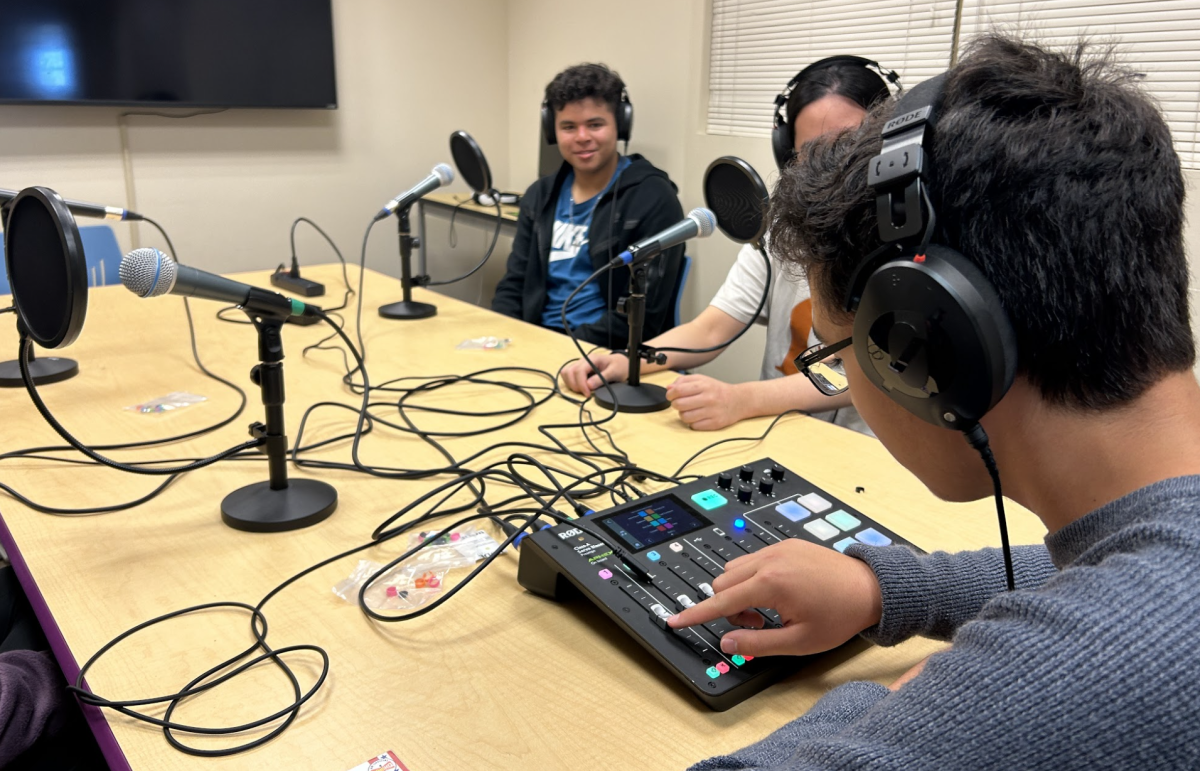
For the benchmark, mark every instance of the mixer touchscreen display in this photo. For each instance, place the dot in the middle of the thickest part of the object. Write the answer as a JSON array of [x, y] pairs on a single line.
[[654, 522]]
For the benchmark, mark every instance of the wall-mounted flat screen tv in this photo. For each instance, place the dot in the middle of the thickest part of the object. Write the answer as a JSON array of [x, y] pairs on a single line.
[[178, 53]]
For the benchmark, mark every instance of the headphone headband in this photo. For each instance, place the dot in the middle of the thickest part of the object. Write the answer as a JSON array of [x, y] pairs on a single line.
[[900, 167], [782, 135]]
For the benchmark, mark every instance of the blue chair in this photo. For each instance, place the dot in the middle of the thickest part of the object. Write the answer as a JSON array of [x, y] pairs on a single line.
[[102, 253]]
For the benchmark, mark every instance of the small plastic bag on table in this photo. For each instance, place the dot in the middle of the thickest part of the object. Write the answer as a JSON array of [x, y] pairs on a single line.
[[403, 588], [460, 548], [421, 577], [176, 400], [486, 343]]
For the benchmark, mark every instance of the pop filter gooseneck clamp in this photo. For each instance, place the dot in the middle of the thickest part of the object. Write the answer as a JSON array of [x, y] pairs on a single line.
[[47, 272], [473, 167]]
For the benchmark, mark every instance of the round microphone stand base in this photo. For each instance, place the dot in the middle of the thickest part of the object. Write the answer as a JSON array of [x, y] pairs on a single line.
[[644, 397], [408, 309], [48, 369], [257, 508]]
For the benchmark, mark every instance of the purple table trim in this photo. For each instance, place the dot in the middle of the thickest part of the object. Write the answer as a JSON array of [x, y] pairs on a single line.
[[58, 646]]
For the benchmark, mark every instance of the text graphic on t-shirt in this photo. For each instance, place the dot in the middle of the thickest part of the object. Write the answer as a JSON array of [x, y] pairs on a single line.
[[567, 240]]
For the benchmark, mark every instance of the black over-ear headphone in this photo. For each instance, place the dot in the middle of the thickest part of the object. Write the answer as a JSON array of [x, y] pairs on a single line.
[[624, 117], [783, 135], [929, 329]]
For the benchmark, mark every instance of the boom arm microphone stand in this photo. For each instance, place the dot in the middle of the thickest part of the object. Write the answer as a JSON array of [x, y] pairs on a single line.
[[634, 395], [407, 308], [278, 504]]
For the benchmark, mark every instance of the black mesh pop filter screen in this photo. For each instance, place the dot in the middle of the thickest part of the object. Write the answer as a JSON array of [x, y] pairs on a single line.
[[738, 197], [46, 267], [468, 157]]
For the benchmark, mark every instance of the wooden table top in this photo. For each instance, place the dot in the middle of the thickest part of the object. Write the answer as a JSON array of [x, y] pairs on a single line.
[[484, 682]]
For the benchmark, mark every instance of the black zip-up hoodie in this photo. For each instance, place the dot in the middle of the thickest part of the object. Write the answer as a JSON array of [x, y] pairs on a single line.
[[646, 203]]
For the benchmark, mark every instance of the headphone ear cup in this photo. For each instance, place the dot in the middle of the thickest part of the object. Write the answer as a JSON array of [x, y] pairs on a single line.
[[548, 125], [624, 120], [782, 145], [930, 332]]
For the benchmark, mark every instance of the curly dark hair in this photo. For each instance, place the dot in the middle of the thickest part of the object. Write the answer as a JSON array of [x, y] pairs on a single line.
[[1056, 175], [582, 81]]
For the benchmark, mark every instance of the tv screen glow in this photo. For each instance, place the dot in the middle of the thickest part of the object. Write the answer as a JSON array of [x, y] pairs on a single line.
[[180, 53]]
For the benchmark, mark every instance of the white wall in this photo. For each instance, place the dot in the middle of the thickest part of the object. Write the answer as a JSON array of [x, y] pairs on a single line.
[[227, 186]]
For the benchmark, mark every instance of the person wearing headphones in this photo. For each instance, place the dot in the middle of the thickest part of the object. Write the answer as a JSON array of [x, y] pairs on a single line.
[[573, 222], [829, 95], [1029, 290]]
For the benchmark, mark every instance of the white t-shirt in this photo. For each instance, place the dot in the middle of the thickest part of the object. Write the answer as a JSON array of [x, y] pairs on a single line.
[[787, 315]]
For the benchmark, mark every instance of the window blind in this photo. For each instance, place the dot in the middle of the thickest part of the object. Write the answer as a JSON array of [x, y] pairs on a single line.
[[1160, 38], [758, 45]]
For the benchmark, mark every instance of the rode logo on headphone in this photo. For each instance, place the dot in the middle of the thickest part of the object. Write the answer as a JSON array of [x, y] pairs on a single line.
[[904, 121]]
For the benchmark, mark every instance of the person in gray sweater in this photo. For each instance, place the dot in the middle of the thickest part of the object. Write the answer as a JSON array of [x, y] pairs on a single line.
[[1055, 175]]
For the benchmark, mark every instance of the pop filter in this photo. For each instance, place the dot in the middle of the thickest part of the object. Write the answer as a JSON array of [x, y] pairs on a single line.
[[738, 197], [47, 270], [468, 157]]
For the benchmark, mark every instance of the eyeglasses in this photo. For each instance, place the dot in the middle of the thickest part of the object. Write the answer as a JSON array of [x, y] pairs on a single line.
[[825, 370]]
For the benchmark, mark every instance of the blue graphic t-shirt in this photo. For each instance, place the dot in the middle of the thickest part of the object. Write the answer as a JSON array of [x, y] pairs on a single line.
[[570, 260]]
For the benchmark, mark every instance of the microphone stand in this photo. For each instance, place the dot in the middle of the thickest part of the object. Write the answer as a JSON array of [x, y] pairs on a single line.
[[634, 395], [407, 308], [51, 369], [279, 504], [47, 370]]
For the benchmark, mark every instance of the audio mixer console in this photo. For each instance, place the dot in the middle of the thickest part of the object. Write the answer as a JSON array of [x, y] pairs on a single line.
[[681, 539]]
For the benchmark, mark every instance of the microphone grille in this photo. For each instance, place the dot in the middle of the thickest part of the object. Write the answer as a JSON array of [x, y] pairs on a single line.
[[147, 272], [444, 173], [705, 219]]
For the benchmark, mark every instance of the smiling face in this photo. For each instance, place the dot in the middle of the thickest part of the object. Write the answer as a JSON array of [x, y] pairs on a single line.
[[940, 458], [587, 135]]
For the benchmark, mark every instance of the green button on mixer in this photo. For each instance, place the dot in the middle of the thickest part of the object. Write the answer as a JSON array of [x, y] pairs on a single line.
[[709, 500]]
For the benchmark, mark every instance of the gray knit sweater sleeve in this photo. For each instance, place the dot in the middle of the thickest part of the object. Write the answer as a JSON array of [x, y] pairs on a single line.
[[932, 595], [1094, 667]]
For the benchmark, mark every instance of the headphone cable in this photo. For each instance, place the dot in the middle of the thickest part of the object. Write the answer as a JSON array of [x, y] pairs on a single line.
[[978, 439]]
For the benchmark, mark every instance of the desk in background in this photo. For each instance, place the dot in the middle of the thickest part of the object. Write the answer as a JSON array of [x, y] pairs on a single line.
[[474, 225], [498, 678]]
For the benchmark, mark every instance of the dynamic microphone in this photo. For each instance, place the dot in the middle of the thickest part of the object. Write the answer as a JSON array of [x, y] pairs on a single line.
[[149, 273], [441, 175], [699, 223], [84, 209]]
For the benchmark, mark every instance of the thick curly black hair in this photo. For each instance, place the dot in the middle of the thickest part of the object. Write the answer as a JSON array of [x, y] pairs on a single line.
[[1055, 174], [582, 81]]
